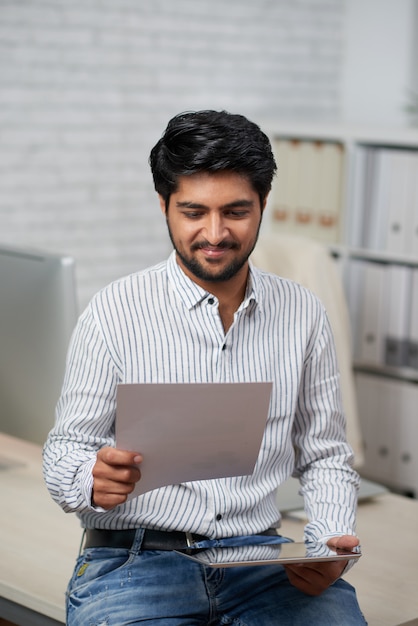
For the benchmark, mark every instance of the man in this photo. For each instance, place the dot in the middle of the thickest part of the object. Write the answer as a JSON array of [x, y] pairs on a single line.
[[205, 315]]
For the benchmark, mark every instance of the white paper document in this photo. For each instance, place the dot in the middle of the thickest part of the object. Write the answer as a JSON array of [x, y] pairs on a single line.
[[191, 431]]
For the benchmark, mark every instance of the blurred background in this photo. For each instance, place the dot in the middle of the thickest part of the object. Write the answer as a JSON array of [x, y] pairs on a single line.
[[87, 88]]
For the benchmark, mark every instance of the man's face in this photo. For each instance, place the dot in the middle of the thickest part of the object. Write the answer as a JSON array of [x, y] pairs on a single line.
[[213, 222]]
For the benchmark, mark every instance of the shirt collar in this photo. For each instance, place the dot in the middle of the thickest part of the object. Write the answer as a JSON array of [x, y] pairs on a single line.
[[192, 294]]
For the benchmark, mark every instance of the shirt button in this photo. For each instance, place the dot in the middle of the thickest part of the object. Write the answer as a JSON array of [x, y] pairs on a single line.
[[211, 301], [218, 517], [224, 346]]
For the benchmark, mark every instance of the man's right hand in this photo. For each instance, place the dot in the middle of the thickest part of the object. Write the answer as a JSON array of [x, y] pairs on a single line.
[[115, 475]]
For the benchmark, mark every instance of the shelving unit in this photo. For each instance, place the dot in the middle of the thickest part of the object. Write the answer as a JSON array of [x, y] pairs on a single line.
[[372, 231]]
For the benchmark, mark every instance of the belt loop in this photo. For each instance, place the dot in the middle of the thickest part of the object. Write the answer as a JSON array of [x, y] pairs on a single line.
[[83, 536], [137, 542]]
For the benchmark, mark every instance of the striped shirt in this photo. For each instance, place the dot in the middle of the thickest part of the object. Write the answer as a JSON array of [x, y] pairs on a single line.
[[158, 326]]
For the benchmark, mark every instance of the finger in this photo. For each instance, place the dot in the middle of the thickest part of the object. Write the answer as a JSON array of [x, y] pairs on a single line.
[[306, 580], [343, 542], [113, 488], [115, 456], [123, 474], [108, 493], [107, 477], [108, 500], [313, 580]]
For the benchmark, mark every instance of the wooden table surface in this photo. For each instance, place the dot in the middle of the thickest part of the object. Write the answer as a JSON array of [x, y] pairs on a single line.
[[386, 576], [40, 543]]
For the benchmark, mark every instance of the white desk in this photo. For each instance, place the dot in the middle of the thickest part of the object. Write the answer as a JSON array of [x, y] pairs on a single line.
[[386, 576], [39, 544]]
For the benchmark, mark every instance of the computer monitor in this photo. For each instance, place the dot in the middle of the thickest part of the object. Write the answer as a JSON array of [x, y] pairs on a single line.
[[38, 311]]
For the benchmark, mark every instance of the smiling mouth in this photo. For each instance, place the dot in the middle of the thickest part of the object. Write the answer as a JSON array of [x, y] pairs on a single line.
[[218, 248], [215, 253], [214, 249]]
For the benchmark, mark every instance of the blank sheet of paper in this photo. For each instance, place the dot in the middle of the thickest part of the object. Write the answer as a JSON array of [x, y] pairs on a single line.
[[192, 431]]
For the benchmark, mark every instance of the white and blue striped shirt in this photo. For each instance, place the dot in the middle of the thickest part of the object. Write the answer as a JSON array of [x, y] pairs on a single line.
[[158, 326]]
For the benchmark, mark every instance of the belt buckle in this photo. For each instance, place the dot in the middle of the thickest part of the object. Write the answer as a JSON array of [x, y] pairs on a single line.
[[190, 540]]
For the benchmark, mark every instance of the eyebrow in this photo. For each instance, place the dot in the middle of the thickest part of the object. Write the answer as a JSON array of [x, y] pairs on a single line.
[[230, 205]]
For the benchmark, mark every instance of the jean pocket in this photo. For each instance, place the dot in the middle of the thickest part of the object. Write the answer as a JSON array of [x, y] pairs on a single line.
[[96, 565]]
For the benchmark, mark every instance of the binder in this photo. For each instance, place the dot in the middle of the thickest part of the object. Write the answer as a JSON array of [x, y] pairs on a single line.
[[307, 195], [399, 194], [329, 212], [371, 349], [412, 226], [307, 205], [387, 410], [406, 459], [375, 411], [399, 401], [355, 296], [357, 195], [412, 351], [285, 189], [369, 187], [378, 198], [397, 313]]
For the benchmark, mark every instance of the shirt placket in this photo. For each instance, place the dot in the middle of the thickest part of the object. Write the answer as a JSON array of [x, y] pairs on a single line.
[[220, 354]]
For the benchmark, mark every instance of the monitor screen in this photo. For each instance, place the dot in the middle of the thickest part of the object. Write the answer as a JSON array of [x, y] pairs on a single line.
[[38, 311]]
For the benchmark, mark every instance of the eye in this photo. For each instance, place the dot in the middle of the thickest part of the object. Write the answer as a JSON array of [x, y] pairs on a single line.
[[192, 215], [236, 213]]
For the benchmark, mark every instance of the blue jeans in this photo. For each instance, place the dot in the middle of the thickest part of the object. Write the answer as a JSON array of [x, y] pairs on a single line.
[[117, 587]]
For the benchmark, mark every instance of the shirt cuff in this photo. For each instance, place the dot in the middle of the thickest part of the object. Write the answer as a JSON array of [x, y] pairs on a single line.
[[86, 481]]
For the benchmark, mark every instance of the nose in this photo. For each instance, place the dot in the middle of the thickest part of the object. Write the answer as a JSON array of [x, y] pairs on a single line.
[[215, 228]]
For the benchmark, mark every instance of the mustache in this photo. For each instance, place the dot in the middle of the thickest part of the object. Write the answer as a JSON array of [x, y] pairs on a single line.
[[222, 245]]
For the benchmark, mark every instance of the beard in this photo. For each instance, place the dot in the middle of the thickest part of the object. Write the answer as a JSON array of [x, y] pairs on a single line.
[[193, 265]]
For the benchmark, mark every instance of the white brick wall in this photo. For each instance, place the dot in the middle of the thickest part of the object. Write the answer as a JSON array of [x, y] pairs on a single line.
[[87, 87]]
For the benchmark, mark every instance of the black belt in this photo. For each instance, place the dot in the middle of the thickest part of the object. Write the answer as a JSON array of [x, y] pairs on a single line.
[[152, 539]]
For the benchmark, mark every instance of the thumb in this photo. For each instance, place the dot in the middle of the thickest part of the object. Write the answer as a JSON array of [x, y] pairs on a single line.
[[343, 542]]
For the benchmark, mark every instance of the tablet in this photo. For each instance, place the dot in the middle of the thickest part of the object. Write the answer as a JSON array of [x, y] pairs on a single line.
[[267, 554]]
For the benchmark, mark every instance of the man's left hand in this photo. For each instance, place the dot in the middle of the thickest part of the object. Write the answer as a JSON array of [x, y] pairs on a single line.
[[314, 578]]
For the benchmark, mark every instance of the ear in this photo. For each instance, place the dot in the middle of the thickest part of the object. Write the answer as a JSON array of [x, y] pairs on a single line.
[[263, 205], [162, 203]]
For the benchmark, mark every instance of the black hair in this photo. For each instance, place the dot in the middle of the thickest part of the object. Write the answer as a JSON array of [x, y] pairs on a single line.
[[212, 141]]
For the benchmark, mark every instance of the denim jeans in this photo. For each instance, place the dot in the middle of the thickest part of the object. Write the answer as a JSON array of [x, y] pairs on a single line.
[[117, 587]]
